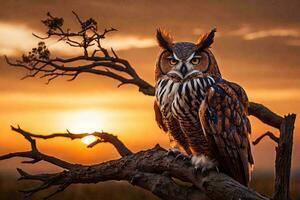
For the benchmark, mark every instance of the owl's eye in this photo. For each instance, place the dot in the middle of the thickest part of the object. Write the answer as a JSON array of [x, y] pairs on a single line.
[[173, 61], [195, 61]]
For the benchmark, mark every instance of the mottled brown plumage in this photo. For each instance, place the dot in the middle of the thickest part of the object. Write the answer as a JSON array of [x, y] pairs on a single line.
[[159, 118], [224, 120], [205, 114]]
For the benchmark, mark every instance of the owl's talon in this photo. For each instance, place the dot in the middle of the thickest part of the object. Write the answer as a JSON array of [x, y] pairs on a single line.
[[187, 158], [180, 156], [173, 152]]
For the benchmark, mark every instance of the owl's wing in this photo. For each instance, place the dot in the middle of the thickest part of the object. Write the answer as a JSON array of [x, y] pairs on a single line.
[[159, 117], [223, 115]]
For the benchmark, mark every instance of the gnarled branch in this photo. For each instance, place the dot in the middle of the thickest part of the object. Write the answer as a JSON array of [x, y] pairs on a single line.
[[268, 133], [38, 62], [151, 169], [101, 137]]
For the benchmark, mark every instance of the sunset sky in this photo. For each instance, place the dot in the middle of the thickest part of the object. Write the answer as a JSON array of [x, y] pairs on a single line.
[[257, 45]]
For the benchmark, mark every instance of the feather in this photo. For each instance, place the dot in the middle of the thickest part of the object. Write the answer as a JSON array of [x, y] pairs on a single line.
[[159, 118], [228, 140], [164, 39], [206, 40]]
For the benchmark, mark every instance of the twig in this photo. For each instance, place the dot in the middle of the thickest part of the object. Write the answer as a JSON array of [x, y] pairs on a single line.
[[268, 133], [103, 137], [34, 154]]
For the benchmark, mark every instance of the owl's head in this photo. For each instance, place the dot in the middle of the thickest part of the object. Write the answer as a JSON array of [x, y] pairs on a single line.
[[184, 59]]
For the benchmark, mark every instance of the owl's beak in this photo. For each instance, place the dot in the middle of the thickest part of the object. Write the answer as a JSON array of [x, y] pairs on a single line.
[[175, 74], [183, 70], [180, 72]]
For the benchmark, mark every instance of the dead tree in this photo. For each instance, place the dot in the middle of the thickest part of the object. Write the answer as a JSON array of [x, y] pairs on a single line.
[[150, 169]]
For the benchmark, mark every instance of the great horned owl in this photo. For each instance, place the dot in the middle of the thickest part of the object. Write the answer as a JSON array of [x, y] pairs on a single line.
[[205, 114]]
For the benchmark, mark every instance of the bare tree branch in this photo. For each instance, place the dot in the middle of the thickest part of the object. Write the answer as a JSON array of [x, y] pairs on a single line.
[[35, 155], [102, 137], [265, 115], [150, 169], [39, 61], [268, 133]]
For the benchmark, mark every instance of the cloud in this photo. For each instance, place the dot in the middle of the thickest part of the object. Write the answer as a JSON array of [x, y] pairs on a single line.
[[243, 30], [128, 42], [16, 38], [247, 32], [280, 32]]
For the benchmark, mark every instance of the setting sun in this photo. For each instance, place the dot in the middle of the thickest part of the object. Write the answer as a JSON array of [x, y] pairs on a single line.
[[89, 139], [83, 121]]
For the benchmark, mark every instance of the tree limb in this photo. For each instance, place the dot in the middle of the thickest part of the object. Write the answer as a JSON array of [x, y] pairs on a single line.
[[268, 133], [35, 155], [151, 169], [38, 62], [265, 115], [102, 137]]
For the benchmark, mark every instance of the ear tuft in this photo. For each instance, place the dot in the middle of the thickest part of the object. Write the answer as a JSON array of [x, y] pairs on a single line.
[[164, 39], [206, 41]]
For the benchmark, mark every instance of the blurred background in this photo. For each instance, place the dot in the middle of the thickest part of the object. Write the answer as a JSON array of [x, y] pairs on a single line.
[[257, 45]]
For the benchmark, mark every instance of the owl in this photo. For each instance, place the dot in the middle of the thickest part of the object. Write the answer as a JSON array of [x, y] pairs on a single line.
[[203, 113]]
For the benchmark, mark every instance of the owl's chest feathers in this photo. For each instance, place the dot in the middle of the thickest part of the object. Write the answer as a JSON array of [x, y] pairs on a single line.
[[182, 100]]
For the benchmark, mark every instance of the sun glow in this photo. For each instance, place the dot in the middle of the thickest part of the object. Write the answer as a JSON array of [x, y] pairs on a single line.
[[83, 121], [89, 139]]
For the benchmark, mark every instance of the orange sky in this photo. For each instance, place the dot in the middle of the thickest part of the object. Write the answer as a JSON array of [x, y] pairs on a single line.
[[257, 46]]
